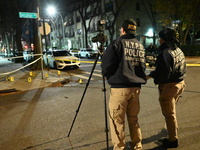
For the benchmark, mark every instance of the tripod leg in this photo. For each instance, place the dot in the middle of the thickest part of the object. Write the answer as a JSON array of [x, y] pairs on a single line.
[[104, 90], [87, 84], [106, 120]]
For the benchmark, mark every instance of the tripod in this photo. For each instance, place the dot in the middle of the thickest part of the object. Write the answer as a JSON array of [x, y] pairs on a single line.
[[101, 48]]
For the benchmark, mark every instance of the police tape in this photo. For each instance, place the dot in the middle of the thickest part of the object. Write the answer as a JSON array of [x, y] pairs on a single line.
[[194, 65], [42, 57], [191, 65], [89, 62], [11, 72], [21, 56]]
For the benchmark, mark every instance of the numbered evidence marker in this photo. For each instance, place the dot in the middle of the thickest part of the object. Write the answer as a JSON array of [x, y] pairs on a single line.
[[58, 72], [46, 75], [10, 78], [30, 73], [29, 79]]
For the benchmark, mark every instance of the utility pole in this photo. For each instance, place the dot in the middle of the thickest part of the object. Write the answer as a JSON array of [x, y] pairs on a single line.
[[37, 39]]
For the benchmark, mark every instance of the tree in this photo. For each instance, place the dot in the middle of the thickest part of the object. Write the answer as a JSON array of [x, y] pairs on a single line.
[[86, 13], [7, 25], [112, 17], [151, 11], [181, 14], [10, 27]]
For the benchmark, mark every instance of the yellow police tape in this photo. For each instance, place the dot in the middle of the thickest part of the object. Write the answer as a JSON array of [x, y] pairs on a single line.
[[100, 62], [193, 64], [89, 62], [146, 63], [198, 65]]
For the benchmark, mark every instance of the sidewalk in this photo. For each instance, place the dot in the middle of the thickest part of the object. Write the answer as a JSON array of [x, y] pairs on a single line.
[[24, 80]]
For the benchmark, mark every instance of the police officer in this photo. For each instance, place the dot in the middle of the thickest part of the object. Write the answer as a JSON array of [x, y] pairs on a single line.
[[169, 74], [123, 64]]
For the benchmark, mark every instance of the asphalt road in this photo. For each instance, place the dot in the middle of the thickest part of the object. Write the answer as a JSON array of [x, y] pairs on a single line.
[[40, 119]]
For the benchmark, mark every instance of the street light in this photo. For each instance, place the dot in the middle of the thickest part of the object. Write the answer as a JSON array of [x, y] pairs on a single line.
[[175, 24], [52, 11]]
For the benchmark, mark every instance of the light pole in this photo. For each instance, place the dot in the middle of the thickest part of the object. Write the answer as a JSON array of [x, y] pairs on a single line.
[[52, 11]]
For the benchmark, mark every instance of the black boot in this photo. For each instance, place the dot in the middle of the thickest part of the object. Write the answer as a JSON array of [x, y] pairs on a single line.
[[170, 144]]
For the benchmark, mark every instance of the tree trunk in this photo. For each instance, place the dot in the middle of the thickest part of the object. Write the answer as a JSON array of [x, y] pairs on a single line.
[[18, 38]]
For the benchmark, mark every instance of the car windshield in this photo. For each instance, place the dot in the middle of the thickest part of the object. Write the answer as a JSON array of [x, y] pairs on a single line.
[[75, 51], [61, 53]]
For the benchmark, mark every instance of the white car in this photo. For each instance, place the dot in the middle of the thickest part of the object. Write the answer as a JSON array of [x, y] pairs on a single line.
[[74, 52], [28, 55], [61, 59], [87, 53]]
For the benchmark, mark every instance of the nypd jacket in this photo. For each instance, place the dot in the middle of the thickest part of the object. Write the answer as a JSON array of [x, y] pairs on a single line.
[[123, 63], [170, 65]]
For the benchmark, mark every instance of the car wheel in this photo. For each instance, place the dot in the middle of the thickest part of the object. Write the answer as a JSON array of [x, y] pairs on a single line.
[[79, 55], [55, 65]]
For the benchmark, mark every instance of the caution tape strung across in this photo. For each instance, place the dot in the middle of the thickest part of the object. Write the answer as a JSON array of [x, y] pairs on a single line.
[[21, 56], [21, 67], [192, 64]]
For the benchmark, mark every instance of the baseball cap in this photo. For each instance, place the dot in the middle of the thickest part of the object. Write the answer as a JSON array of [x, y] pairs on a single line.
[[129, 26], [167, 34]]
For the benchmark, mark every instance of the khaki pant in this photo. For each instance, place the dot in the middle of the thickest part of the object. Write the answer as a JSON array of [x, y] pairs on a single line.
[[169, 94], [124, 101]]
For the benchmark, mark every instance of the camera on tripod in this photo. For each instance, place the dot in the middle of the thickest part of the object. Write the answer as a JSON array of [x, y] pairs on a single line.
[[100, 37]]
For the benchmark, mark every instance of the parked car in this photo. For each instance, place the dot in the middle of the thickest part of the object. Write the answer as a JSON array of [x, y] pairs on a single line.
[[17, 54], [151, 58], [28, 55], [197, 41], [61, 59], [87, 53], [74, 52]]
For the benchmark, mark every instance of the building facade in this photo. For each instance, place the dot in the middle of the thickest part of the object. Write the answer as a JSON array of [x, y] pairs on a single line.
[[79, 26]]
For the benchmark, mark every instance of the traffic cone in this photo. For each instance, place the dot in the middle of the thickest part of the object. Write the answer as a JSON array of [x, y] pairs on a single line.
[[80, 81]]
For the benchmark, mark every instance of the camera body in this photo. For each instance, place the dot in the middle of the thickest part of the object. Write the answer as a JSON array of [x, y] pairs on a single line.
[[100, 25], [100, 37]]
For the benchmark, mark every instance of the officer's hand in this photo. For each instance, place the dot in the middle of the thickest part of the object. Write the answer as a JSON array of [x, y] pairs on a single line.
[[148, 77]]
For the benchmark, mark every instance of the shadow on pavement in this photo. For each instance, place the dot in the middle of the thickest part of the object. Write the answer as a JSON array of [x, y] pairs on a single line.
[[157, 139], [25, 119], [158, 148]]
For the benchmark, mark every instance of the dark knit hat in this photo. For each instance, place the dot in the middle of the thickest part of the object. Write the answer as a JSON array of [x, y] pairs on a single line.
[[168, 34], [129, 26]]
